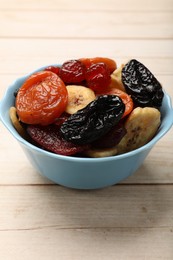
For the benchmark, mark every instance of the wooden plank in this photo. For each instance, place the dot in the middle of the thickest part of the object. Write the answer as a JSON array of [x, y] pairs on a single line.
[[90, 5], [40, 220], [124, 206], [25, 55], [100, 24], [93, 244], [35, 220]]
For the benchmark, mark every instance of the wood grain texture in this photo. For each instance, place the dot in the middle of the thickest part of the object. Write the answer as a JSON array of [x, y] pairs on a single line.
[[72, 244], [65, 24], [87, 224], [109, 5], [63, 208], [40, 220], [26, 55]]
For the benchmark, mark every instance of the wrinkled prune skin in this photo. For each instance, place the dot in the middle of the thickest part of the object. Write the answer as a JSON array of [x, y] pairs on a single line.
[[93, 121], [142, 85]]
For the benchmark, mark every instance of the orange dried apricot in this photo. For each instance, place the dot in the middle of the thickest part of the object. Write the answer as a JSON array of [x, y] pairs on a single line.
[[41, 99]]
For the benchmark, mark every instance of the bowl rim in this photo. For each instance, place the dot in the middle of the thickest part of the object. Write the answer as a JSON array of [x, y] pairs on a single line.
[[27, 144]]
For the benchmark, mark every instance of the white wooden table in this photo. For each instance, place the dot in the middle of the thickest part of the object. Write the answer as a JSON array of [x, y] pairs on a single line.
[[41, 220]]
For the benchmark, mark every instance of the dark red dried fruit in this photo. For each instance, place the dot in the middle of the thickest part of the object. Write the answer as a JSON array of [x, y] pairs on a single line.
[[61, 119], [98, 77], [112, 138], [49, 138], [72, 71], [53, 69]]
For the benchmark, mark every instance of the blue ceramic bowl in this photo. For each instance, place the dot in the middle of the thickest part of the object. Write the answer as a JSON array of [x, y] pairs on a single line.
[[83, 173]]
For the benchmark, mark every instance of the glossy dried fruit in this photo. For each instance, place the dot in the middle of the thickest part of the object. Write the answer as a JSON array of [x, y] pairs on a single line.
[[98, 77], [111, 64], [53, 69], [141, 84], [112, 138], [61, 119], [93, 121], [41, 99], [49, 138], [72, 71], [127, 100]]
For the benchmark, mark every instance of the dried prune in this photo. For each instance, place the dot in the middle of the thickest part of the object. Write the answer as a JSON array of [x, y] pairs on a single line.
[[49, 138], [93, 121], [142, 85]]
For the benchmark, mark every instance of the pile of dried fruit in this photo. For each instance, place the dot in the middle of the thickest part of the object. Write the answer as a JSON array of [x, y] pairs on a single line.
[[89, 107]]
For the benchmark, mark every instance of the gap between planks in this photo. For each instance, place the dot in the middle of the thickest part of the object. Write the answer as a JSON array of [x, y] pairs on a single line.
[[86, 38], [84, 228]]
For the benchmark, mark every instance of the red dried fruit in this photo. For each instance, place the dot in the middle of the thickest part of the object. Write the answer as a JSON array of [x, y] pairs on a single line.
[[72, 71], [98, 77], [53, 69], [49, 138], [61, 119], [112, 138], [111, 64]]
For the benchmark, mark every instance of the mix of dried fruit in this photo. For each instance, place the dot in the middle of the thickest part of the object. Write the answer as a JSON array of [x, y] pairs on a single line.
[[89, 107]]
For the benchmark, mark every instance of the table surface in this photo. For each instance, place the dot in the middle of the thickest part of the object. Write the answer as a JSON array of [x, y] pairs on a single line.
[[41, 220]]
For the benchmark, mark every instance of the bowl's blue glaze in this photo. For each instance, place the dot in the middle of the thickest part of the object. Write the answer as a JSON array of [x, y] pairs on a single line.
[[83, 173]]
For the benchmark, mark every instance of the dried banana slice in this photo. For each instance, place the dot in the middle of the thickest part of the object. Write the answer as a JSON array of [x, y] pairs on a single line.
[[17, 125], [78, 98], [104, 152], [117, 73], [116, 81], [141, 126]]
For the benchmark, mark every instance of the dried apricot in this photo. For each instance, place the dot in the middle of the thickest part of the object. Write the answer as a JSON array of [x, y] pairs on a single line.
[[41, 99]]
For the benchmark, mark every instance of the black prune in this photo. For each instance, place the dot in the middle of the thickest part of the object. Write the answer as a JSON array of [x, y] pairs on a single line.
[[93, 121], [142, 85]]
